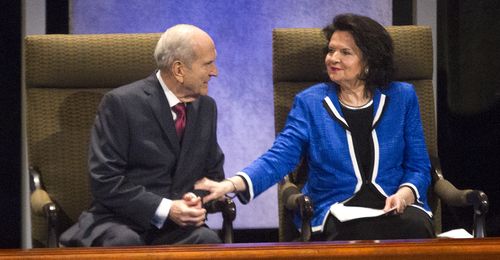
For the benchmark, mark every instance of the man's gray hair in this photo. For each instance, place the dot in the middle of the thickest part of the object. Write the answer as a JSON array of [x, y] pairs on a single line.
[[176, 43]]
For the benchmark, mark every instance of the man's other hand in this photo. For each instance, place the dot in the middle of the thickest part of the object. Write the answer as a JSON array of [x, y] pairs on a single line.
[[188, 211]]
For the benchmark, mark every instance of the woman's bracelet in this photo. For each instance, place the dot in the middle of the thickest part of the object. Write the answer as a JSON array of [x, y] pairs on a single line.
[[234, 185], [235, 191]]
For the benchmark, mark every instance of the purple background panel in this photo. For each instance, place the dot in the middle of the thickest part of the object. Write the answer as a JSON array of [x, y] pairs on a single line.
[[242, 31]]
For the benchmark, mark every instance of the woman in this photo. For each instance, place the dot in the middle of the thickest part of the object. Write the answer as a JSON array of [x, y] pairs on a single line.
[[363, 140]]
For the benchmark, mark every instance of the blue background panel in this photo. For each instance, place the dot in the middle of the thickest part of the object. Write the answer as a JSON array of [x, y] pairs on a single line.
[[242, 31]]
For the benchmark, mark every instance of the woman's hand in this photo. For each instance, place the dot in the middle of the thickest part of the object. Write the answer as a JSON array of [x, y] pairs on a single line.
[[400, 200], [217, 189]]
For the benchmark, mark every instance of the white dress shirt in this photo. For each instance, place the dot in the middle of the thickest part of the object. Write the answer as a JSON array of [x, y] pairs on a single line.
[[163, 209]]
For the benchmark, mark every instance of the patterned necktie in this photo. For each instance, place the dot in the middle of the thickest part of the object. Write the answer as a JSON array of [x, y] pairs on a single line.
[[180, 122]]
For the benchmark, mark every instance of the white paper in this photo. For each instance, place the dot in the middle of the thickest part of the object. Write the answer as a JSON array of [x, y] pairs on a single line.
[[456, 233], [345, 213]]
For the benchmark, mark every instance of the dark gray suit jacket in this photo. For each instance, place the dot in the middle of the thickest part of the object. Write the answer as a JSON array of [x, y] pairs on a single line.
[[136, 159]]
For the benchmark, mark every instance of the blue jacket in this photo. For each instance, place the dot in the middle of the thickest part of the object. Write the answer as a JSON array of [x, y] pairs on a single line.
[[316, 129]]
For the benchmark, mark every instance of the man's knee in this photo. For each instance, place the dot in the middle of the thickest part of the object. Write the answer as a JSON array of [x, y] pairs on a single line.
[[204, 235], [120, 236]]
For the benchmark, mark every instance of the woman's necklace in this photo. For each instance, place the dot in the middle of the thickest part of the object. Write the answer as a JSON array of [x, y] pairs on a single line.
[[343, 102]]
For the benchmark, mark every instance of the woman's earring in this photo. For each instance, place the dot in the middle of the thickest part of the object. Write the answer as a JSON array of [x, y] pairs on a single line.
[[366, 70]]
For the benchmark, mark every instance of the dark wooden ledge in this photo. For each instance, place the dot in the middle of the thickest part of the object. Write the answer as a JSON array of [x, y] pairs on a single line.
[[455, 249]]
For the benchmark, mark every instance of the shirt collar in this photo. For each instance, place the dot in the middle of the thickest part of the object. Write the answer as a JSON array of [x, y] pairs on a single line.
[[172, 99]]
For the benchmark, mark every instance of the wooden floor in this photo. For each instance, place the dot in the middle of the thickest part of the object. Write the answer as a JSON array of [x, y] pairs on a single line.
[[455, 249]]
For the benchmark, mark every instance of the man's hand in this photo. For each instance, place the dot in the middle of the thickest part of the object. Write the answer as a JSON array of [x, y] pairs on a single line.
[[188, 211]]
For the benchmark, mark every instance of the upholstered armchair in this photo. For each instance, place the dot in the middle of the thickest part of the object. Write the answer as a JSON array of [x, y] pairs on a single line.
[[298, 62], [66, 76]]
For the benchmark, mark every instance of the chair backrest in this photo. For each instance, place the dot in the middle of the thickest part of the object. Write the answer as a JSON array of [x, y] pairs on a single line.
[[298, 62], [66, 76]]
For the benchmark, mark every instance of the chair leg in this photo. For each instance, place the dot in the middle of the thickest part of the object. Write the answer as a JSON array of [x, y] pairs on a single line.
[[480, 202], [53, 225], [228, 209], [306, 212], [228, 215]]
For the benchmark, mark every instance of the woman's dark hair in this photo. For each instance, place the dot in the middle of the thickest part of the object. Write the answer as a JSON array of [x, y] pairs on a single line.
[[374, 42]]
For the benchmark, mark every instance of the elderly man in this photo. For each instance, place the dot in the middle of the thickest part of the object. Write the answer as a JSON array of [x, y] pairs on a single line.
[[151, 140]]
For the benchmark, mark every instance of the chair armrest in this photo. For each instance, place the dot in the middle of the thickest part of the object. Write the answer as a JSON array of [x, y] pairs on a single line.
[[452, 196], [40, 201], [228, 210], [42, 205], [296, 201]]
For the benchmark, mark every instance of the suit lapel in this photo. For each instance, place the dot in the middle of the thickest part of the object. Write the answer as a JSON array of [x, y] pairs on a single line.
[[379, 105], [161, 110], [332, 106]]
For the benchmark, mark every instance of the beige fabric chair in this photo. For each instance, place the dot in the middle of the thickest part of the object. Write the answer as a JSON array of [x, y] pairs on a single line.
[[298, 62], [66, 76]]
